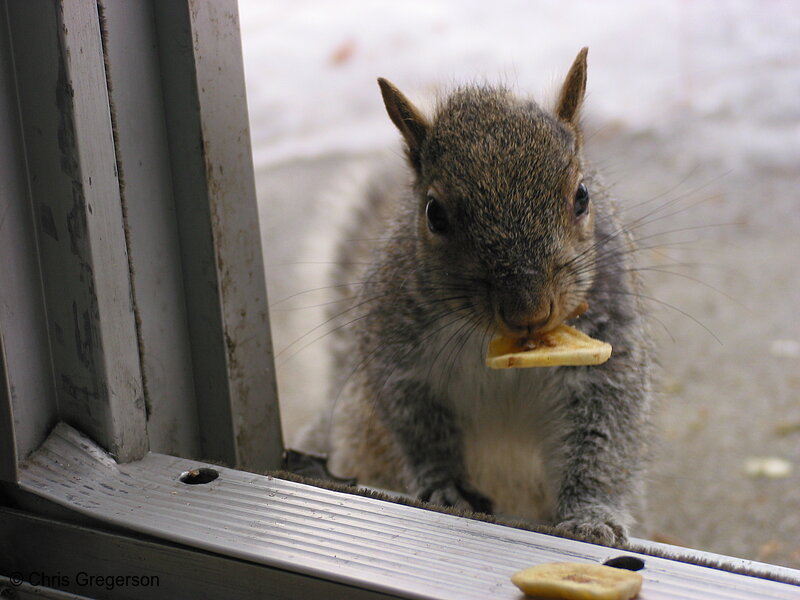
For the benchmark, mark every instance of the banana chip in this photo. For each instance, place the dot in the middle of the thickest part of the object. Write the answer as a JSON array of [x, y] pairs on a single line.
[[578, 581], [563, 346]]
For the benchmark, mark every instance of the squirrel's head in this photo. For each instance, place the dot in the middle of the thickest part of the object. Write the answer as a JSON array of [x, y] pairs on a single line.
[[505, 224]]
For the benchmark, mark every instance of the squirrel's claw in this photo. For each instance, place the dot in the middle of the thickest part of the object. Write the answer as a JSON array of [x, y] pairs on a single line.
[[606, 532]]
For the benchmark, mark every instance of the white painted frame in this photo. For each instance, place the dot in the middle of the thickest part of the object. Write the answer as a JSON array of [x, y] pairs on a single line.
[[151, 326]]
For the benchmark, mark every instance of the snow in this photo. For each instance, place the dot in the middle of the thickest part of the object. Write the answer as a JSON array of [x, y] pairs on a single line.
[[650, 63]]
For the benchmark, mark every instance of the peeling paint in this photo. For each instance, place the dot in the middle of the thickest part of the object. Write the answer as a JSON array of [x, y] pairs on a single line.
[[83, 338], [76, 219]]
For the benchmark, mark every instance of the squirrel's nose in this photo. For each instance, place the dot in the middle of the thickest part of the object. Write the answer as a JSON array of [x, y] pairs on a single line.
[[521, 321]]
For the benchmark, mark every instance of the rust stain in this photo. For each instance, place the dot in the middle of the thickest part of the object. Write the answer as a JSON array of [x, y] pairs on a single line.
[[342, 53]]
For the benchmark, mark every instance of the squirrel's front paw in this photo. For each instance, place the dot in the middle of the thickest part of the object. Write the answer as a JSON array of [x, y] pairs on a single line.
[[605, 530], [458, 495]]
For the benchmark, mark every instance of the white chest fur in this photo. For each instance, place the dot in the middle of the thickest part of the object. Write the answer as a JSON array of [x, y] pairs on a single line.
[[511, 419]]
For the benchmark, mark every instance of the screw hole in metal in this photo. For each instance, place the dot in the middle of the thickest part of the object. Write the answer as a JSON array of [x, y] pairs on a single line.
[[198, 476], [630, 563]]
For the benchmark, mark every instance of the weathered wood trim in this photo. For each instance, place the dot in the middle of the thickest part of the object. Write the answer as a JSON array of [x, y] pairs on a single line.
[[207, 125], [170, 77], [27, 393], [143, 163], [69, 152]]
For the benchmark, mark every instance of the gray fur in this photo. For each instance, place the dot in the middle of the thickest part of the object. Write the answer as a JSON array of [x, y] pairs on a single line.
[[418, 411]]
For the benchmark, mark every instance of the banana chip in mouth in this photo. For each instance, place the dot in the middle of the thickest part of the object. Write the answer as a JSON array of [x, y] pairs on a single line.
[[562, 346]]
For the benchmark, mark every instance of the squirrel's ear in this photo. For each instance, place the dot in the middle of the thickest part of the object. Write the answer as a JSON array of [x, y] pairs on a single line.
[[571, 96], [411, 123]]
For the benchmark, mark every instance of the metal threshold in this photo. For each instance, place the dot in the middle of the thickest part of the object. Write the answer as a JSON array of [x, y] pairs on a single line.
[[342, 538]]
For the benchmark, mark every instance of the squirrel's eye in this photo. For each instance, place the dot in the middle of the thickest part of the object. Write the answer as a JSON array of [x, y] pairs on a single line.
[[581, 205], [437, 216]]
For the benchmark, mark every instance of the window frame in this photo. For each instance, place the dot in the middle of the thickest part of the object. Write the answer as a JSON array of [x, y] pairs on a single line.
[[145, 222]]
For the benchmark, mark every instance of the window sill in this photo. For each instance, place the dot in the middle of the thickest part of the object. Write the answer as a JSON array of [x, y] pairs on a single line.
[[341, 538]]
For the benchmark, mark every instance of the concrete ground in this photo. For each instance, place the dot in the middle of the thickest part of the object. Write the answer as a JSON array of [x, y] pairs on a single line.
[[707, 158]]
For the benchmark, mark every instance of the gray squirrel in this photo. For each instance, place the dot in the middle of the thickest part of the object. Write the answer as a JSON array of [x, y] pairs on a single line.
[[494, 224]]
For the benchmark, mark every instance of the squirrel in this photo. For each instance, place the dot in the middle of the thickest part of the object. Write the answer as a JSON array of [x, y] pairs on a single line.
[[495, 223]]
